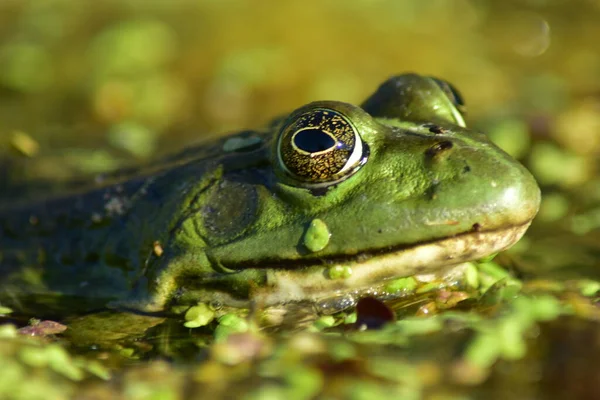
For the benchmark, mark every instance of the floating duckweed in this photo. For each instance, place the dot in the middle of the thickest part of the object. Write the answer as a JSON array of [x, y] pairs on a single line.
[[305, 382], [159, 388], [97, 369], [552, 165], [339, 272], [588, 288], [342, 350], [228, 324], [316, 236], [127, 352], [505, 338], [511, 333], [419, 326], [61, 362], [487, 258], [351, 318], [429, 287], [306, 343], [8, 331], [5, 310], [268, 391], [502, 290], [234, 320], [34, 356], [13, 373], [324, 322], [400, 332], [493, 270], [53, 356], [490, 273], [540, 308], [483, 350], [179, 309], [395, 371], [408, 285], [199, 315], [471, 275], [462, 318], [367, 390]]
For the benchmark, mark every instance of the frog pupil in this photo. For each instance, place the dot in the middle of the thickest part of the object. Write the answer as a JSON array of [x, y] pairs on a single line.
[[313, 140]]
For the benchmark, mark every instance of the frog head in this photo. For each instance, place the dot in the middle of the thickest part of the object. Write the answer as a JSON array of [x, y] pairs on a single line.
[[393, 188]]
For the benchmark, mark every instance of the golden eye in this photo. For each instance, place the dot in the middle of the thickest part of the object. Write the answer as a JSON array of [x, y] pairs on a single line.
[[320, 145]]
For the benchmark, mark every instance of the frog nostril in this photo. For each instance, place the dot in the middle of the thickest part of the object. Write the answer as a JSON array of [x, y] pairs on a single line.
[[439, 148], [436, 129]]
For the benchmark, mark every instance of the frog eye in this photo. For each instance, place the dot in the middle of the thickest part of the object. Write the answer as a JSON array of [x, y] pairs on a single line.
[[320, 145], [452, 93]]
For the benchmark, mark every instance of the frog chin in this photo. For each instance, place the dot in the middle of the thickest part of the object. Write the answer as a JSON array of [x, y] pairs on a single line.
[[440, 260]]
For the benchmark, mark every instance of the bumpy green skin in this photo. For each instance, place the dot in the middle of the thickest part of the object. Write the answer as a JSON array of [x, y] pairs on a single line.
[[213, 220]]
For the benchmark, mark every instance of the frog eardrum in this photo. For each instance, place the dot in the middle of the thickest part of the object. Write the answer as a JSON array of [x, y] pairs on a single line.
[[320, 145]]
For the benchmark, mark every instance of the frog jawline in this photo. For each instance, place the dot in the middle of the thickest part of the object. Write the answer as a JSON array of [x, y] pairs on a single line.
[[312, 284]]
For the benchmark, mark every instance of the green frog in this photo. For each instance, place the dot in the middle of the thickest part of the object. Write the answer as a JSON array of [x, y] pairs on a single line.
[[322, 207]]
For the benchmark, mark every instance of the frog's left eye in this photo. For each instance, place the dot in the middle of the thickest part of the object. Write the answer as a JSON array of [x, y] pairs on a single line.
[[320, 145]]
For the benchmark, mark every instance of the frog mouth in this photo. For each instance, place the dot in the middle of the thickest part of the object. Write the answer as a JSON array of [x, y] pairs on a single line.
[[281, 284]]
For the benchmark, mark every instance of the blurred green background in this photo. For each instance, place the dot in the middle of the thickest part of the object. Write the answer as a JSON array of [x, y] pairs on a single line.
[[90, 86]]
